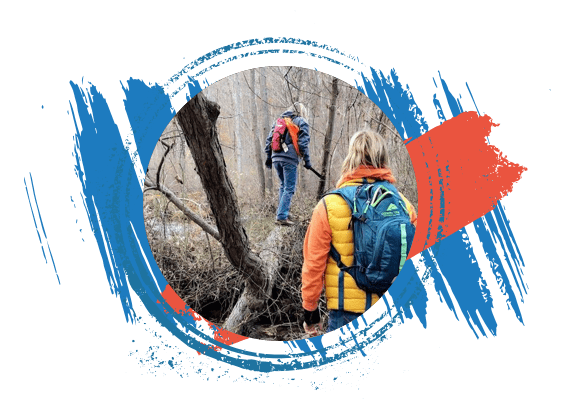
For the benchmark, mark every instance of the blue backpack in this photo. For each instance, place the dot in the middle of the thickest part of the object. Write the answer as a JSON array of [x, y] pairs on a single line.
[[382, 236]]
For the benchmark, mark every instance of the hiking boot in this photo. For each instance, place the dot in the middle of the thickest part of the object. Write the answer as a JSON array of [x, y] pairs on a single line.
[[293, 218], [284, 222]]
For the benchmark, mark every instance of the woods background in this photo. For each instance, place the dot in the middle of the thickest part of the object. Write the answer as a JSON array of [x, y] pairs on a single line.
[[250, 102]]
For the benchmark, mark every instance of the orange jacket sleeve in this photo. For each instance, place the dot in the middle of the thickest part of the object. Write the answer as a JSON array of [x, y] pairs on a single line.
[[316, 247]]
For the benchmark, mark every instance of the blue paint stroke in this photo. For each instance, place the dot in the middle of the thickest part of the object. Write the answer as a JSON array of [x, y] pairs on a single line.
[[35, 224], [457, 264], [41, 225], [473, 99], [103, 166], [441, 219], [439, 109], [454, 105], [489, 234], [395, 101], [123, 229]]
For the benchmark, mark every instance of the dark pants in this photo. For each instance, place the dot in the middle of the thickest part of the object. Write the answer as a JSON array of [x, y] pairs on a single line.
[[337, 319]]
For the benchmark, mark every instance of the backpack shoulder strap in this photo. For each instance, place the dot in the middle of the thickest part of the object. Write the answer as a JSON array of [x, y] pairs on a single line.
[[347, 193]]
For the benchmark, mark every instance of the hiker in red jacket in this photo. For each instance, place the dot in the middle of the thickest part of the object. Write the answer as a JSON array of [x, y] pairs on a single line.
[[367, 161], [286, 160]]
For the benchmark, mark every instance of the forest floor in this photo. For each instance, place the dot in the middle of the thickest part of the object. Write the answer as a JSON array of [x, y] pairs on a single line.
[[195, 266]]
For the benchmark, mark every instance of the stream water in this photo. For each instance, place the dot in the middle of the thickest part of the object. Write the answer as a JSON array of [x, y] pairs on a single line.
[[169, 230]]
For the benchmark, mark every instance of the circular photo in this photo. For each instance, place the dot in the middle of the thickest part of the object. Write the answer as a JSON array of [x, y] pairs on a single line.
[[280, 203]]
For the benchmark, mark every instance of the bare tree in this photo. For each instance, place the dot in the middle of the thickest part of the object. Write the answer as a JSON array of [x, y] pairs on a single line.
[[237, 119], [266, 126], [328, 138], [258, 150]]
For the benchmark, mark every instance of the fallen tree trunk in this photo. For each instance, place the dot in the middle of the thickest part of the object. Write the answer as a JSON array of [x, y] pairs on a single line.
[[274, 247], [278, 255]]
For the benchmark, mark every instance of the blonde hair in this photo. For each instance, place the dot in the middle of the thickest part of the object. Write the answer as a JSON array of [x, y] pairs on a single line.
[[299, 109], [367, 148]]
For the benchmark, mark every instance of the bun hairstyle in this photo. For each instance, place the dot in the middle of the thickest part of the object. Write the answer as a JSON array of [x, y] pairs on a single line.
[[299, 109], [366, 148]]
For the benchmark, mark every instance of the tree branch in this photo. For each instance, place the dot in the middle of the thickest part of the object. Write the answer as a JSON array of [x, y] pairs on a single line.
[[259, 97], [185, 209], [288, 85], [393, 130], [159, 170]]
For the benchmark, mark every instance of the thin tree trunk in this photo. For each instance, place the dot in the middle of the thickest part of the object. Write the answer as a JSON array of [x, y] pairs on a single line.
[[328, 137], [266, 124], [258, 150], [238, 112]]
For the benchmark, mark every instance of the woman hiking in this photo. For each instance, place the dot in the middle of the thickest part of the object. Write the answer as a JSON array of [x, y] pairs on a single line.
[[367, 162], [285, 155]]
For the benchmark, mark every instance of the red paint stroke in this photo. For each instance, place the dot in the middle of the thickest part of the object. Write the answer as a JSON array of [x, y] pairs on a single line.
[[178, 305], [460, 177]]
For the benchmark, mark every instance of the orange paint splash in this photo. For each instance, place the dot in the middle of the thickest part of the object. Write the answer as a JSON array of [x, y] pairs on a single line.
[[460, 177], [179, 306]]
